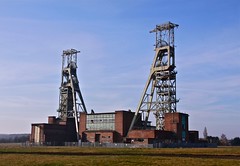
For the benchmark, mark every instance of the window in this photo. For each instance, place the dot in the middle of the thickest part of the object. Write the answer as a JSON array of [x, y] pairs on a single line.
[[184, 118], [183, 135], [101, 121]]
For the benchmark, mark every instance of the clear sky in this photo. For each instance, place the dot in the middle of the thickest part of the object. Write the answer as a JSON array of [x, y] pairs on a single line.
[[116, 55]]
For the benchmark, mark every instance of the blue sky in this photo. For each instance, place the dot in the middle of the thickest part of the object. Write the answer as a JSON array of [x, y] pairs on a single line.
[[116, 55]]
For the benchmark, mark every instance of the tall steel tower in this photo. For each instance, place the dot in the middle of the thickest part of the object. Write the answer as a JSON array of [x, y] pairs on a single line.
[[159, 95], [70, 99]]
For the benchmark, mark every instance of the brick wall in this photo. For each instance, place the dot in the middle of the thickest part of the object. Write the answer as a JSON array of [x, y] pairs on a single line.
[[103, 136], [193, 136], [82, 124], [123, 120], [174, 122], [119, 125], [141, 134]]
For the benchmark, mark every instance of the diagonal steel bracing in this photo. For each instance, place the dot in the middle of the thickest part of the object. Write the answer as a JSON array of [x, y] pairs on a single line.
[[159, 94]]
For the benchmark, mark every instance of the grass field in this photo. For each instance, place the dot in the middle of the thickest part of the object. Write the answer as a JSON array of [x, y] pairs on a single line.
[[70, 156]]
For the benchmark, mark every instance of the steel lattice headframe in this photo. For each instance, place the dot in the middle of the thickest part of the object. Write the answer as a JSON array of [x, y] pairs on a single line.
[[159, 95], [70, 98]]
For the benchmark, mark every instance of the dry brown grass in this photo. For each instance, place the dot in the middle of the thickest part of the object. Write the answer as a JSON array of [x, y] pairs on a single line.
[[70, 156]]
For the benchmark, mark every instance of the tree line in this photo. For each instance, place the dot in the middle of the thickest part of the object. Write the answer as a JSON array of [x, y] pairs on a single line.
[[14, 138], [222, 141]]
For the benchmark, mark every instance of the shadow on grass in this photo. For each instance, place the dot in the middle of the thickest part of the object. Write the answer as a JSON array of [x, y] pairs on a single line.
[[127, 154]]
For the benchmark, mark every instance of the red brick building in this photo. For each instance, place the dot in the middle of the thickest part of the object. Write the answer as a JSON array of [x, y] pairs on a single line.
[[112, 127], [176, 130], [178, 123], [54, 132], [105, 127]]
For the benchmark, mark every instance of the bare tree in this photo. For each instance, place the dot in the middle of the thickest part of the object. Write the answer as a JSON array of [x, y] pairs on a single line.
[[224, 140]]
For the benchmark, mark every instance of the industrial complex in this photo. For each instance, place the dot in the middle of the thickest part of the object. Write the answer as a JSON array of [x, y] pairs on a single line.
[[75, 124]]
